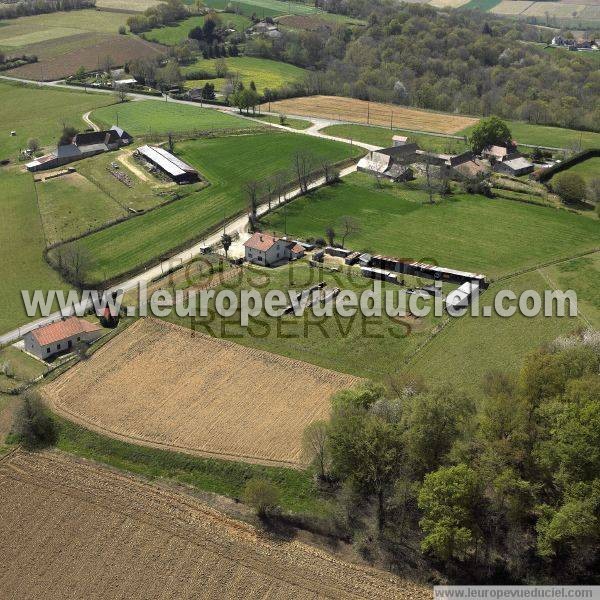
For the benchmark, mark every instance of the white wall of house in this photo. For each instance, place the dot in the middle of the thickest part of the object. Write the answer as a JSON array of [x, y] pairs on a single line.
[[278, 251], [48, 351]]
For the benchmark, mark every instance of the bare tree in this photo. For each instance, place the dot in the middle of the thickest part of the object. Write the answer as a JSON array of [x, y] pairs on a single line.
[[251, 188], [281, 179], [314, 446], [270, 189], [330, 173], [302, 167], [73, 262], [349, 226], [121, 94], [171, 142], [430, 178], [330, 234]]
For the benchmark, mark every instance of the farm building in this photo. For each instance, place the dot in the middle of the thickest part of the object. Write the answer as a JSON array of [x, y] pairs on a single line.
[[390, 162], [268, 250], [461, 296], [169, 164], [49, 340], [81, 146], [507, 160], [425, 270]]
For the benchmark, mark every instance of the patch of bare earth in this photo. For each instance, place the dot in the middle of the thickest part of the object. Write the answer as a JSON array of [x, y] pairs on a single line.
[[78, 530], [371, 113], [163, 385]]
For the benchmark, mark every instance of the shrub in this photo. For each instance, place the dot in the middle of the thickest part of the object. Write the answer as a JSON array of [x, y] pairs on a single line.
[[569, 186], [122, 30], [34, 427], [262, 495]]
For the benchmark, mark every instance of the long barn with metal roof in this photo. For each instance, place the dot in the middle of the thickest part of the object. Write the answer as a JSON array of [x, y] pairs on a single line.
[[169, 164]]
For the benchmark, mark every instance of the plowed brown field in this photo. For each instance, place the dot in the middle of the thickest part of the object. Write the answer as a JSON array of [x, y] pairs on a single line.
[[157, 384], [373, 113], [73, 530]]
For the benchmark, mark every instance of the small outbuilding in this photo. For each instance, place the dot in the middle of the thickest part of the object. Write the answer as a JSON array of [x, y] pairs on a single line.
[[60, 337], [178, 170]]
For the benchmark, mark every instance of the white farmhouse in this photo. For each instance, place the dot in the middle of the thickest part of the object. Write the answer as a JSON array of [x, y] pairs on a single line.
[[267, 250], [61, 336]]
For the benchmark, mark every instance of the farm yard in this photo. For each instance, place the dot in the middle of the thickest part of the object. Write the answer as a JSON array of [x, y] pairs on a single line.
[[229, 402], [375, 113], [227, 163], [151, 117], [264, 72], [464, 232], [70, 205], [52, 108], [111, 534]]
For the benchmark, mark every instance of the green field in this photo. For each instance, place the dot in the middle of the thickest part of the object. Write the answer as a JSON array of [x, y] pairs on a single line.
[[553, 137], [293, 123], [583, 276], [40, 113], [70, 206], [264, 8], [146, 117], [264, 72], [379, 136], [172, 35], [226, 478], [341, 344], [17, 33], [227, 163], [23, 242], [482, 5], [23, 367], [469, 347], [493, 237], [588, 169]]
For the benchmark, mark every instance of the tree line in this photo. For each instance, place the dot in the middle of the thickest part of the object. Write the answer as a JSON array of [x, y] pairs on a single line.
[[24, 8], [501, 485]]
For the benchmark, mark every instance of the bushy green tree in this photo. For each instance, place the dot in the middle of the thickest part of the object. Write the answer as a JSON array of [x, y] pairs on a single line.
[[569, 186], [489, 131]]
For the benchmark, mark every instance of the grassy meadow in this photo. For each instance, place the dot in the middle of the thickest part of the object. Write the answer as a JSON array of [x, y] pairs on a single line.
[[466, 349], [23, 243], [40, 113], [71, 205], [228, 163], [588, 169], [264, 72], [490, 236], [380, 136], [145, 117]]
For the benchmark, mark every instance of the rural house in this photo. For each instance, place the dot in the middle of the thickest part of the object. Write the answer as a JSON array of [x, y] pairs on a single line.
[[390, 162], [61, 336], [508, 160], [268, 250], [81, 146], [169, 164]]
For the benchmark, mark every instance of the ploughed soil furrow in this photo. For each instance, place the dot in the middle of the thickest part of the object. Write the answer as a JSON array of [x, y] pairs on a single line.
[[76, 529]]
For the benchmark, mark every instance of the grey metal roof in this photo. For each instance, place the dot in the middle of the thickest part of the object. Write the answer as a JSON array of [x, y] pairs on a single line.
[[518, 163], [165, 160]]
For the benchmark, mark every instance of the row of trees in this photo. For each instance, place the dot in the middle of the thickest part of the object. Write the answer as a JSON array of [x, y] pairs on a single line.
[[23, 8], [163, 13], [502, 485]]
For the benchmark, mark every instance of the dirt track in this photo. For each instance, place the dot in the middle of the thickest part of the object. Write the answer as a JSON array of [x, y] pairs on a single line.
[[72, 529], [158, 385]]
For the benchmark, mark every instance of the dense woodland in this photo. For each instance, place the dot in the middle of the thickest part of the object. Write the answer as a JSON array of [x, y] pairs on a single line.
[[22, 8], [456, 61], [503, 486]]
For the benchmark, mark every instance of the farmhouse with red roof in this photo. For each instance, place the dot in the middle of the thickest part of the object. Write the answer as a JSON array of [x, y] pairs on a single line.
[[268, 250], [60, 336]]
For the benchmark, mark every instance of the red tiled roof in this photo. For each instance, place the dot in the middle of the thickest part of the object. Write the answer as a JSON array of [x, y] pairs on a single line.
[[297, 249], [261, 241], [55, 332]]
